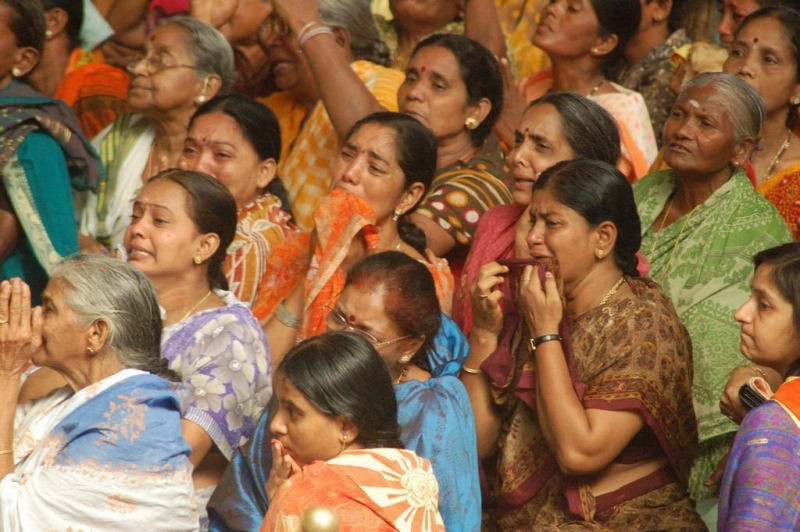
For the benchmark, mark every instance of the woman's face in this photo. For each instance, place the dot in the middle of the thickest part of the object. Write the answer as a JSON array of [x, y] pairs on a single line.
[[11, 55], [768, 335], [539, 143], [305, 432], [434, 93], [698, 135], [162, 239], [364, 311], [567, 28], [557, 231], [215, 145], [165, 80], [763, 56], [289, 66], [367, 167], [732, 14], [63, 336], [425, 13], [241, 25]]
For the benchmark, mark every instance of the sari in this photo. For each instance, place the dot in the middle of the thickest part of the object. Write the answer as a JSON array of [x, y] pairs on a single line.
[[307, 168], [107, 457], [704, 262], [631, 354], [95, 91], [339, 218], [43, 156], [761, 486], [262, 225], [782, 189], [637, 139], [368, 489], [436, 422]]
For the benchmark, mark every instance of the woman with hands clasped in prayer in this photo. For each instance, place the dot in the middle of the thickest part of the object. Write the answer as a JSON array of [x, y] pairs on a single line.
[[104, 450], [581, 394]]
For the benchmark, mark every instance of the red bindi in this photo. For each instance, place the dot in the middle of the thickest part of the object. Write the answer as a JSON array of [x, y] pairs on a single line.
[[422, 69], [351, 319], [755, 40]]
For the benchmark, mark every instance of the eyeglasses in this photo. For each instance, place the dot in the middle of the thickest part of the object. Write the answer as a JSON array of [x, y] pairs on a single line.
[[338, 322], [153, 64]]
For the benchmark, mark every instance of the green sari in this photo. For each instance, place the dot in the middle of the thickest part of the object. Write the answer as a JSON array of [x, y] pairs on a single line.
[[704, 262]]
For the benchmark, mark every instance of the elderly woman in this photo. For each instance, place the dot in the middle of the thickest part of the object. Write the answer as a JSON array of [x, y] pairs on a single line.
[[329, 62], [582, 392], [389, 300], [702, 221], [187, 63], [554, 128], [105, 450]]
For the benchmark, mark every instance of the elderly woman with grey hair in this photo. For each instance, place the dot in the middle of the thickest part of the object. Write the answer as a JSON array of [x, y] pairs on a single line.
[[702, 221], [106, 450], [330, 65], [187, 63]]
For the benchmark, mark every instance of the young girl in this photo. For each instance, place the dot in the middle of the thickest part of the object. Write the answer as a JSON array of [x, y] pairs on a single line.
[[760, 487]]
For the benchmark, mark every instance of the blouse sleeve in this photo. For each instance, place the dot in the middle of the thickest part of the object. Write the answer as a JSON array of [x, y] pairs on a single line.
[[226, 373]]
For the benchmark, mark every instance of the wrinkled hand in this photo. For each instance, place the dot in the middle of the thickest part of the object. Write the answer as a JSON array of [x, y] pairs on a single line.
[[729, 403], [283, 467], [540, 304], [296, 13], [485, 296], [20, 327]]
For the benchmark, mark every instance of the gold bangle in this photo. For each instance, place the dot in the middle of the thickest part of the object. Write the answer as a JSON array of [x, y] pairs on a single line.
[[6, 451], [759, 372], [472, 371]]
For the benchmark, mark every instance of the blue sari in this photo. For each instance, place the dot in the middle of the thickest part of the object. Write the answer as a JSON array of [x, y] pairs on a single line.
[[436, 422]]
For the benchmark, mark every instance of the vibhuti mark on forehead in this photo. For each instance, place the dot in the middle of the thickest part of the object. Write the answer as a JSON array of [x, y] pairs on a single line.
[[694, 103]]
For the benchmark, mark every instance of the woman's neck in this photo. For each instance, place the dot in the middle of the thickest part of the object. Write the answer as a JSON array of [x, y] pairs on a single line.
[[579, 74], [642, 42], [773, 136], [92, 370], [589, 291], [52, 66], [458, 147], [691, 191], [179, 297]]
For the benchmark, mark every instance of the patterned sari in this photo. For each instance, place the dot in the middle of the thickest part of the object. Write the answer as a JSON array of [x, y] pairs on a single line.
[[368, 489], [761, 487], [43, 156], [632, 354], [704, 262], [107, 457], [782, 189]]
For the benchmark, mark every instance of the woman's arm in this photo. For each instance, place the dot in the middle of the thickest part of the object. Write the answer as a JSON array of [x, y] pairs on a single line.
[[584, 441], [344, 95], [488, 322], [482, 24]]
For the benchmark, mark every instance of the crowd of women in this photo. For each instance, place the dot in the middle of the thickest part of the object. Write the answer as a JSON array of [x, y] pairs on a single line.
[[351, 265]]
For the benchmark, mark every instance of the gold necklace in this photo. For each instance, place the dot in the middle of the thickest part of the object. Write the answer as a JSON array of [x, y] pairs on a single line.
[[195, 307], [613, 291], [779, 153], [660, 227], [402, 374]]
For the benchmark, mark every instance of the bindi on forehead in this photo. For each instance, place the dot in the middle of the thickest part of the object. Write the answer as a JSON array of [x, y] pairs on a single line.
[[423, 68], [351, 319]]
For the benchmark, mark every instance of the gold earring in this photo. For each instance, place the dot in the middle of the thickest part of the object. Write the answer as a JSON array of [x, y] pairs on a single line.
[[471, 122], [599, 253], [201, 98], [795, 100], [397, 214], [197, 260], [343, 441], [90, 350], [16, 72], [48, 34]]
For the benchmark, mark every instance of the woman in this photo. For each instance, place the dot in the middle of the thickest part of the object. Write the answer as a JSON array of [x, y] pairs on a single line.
[[763, 472], [329, 63], [733, 12], [701, 221], [454, 87], [585, 420], [187, 63], [236, 140], [95, 91], [583, 39], [338, 443], [390, 300], [554, 128], [182, 223], [79, 457], [385, 166], [43, 153], [764, 53]]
